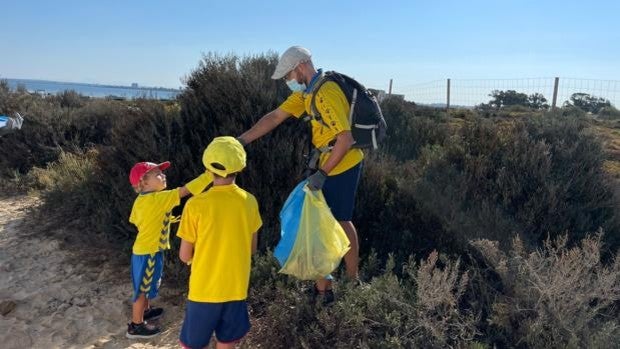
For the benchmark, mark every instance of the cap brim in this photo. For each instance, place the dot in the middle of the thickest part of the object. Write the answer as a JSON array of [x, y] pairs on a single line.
[[164, 165], [279, 73]]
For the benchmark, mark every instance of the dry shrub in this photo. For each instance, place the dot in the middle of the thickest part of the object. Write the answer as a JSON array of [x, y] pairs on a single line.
[[438, 297], [556, 296], [420, 309]]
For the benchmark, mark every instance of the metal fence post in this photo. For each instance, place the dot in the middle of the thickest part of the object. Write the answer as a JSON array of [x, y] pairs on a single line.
[[448, 96], [555, 92]]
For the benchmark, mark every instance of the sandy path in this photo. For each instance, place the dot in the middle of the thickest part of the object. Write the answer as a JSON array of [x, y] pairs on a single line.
[[55, 294]]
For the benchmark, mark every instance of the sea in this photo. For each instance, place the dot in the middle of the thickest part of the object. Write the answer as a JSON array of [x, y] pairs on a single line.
[[45, 87]]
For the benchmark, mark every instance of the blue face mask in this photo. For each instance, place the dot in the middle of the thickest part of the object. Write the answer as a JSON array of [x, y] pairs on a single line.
[[295, 86]]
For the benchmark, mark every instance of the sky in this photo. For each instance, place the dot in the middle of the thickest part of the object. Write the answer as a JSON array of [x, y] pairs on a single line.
[[157, 43]]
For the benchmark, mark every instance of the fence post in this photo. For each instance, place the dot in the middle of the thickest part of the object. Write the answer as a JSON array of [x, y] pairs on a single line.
[[448, 96], [555, 92]]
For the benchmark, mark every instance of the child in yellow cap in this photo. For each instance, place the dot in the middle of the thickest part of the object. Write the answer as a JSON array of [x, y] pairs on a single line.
[[219, 234], [152, 215]]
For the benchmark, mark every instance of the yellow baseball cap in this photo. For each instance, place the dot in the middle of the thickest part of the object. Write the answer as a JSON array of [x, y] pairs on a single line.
[[224, 155]]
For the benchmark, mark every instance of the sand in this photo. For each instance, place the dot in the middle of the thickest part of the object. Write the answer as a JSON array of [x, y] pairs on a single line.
[[58, 294]]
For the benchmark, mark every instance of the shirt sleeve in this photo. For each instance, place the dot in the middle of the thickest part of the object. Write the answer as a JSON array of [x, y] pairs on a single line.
[[333, 106], [187, 228], [169, 199], [294, 104], [256, 220], [198, 185]]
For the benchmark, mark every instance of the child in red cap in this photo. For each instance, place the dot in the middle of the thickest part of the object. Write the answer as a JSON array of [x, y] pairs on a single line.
[[152, 216]]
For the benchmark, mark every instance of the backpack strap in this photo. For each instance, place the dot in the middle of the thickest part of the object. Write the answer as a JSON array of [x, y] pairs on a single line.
[[316, 115]]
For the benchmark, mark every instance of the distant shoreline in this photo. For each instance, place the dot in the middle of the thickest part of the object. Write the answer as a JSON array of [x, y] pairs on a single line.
[[92, 85]]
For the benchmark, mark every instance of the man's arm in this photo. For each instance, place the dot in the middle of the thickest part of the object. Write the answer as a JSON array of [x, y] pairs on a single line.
[[186, 252], [267, 123], [254, 242]]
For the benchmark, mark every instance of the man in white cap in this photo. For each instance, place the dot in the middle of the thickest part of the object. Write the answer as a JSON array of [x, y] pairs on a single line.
[[339, 165]]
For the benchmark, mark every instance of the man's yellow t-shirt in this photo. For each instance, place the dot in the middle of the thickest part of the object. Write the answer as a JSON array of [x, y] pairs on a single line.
[[333, 106], [151, 214], [220, 224]]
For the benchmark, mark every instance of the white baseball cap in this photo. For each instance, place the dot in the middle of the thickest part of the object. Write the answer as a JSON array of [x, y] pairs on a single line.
[[289, 60]]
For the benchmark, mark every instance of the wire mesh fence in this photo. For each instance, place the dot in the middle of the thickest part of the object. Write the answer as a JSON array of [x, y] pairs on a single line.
[[471, 92], [607, 89]]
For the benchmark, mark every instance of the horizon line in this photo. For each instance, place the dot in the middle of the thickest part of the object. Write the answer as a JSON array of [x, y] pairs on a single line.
[[94, 84]]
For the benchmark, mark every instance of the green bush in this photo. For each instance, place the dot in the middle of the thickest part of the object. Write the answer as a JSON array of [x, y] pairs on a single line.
[[540, 176], [410, 129], [50, 128]]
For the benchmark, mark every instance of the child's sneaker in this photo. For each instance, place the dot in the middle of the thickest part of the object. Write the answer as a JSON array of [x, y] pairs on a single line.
[[153, 313], [142, 330]]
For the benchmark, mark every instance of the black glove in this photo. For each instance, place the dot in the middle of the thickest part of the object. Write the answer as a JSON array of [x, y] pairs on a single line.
[[316, 180]]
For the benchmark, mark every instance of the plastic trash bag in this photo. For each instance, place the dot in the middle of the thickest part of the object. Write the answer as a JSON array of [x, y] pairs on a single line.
[[289, 223], [8, 124], [312, 241]]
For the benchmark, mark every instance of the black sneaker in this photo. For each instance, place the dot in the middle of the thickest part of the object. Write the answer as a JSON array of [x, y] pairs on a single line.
[[142, 330], [327, 295], [153, 313]]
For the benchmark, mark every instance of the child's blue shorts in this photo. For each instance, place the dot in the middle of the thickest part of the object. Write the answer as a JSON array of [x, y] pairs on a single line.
[[339, 192], [146, 270], [229, 320]]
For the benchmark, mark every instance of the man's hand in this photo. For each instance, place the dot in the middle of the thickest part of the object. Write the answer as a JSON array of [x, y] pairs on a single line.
[[316, 180], [242, 141]]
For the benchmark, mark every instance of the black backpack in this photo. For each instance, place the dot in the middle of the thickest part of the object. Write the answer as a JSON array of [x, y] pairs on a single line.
[[367, 123]]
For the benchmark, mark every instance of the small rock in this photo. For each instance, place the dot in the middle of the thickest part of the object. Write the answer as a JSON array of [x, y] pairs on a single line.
[[80, 302], [6, 267], [7, 306]]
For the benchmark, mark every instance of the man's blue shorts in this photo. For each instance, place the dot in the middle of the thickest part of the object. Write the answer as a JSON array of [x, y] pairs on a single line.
[[146, 270], [339, 192], [229, 320]]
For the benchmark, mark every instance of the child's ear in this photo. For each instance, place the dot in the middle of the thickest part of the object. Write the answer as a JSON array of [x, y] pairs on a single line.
[[140, 187]]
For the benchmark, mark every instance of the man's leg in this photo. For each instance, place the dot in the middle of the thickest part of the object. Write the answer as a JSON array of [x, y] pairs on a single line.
[[323, 284], [351, 259]]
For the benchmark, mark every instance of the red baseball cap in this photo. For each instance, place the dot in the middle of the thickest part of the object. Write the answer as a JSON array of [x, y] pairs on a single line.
[[141, 168]]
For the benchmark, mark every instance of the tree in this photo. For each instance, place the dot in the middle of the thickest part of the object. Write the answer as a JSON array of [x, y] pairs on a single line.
[[538, 101], [587, 102], [507, 98]]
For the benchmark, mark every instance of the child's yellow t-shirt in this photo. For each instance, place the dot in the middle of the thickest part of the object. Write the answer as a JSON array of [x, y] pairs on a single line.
[[220, 224], [334, 108], [151, 214]]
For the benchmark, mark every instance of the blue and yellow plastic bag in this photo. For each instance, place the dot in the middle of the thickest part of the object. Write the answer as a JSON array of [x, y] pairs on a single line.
[[312, 242]]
